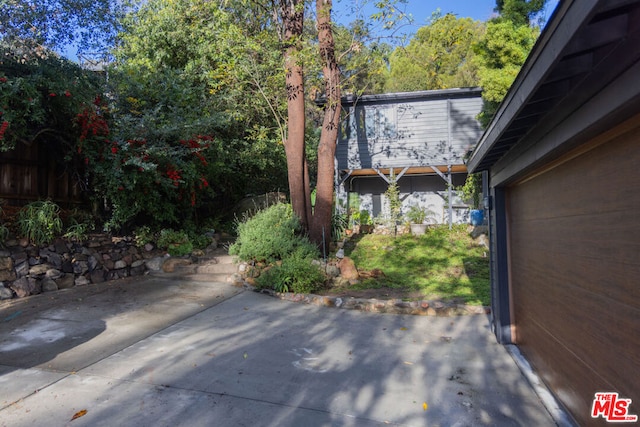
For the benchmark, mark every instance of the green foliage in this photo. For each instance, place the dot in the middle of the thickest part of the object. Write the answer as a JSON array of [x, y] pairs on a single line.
[[143, 235], [296, 274], [78, 225], [392, 194], [58, 23], [520, 12], [40, 96], [416, 214], [271, 235], [339, 223], [472, 189], [40, 222], [441, 264], [439, 56], [176, 243], [499, 57]]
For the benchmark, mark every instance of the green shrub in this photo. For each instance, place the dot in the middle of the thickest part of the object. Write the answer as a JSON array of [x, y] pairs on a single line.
[[270, 235], [143, 235], [295, 274], [78, 232], [40, 222], [176, 243]]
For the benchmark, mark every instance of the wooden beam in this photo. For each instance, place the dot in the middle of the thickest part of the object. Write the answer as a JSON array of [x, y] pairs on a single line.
[[412, 170]]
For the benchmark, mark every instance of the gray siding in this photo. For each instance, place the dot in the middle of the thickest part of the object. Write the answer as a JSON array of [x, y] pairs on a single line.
[[418, 131]]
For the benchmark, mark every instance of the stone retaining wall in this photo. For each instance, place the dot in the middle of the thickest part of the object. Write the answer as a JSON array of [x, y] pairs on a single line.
[[26, 269]]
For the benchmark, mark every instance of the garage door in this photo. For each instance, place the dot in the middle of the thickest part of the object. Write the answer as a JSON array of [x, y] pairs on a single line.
[[574, 254]]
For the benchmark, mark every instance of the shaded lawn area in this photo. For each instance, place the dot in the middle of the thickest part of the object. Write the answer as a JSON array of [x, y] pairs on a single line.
[[443, 264]]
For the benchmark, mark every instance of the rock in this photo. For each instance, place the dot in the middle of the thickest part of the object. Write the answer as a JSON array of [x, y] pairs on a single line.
[[67, 266], [5, 293], [138, 263], [51, 257], [250, 281], [119, 264], [93, 263], [332, 270], [148, 247], [65, 282], [22, 269], [169, 266], [19, 257], [48, 285], [80, 257], [80, 267], [81, 281], [479, 231], [60, 246], [39, 269], [348, 269], [53, 273], [25, 286], [7, 275], [97, 276], [137, 270], [6, 263], [155, 264]]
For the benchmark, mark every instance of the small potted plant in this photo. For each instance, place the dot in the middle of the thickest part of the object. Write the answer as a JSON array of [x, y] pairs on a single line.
[[417, 216], [366, 223]]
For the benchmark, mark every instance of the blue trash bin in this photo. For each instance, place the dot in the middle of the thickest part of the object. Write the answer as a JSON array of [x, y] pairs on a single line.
[[477, 217]]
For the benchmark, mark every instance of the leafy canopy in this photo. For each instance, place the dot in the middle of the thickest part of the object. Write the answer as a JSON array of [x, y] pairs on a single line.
[[439, 56]]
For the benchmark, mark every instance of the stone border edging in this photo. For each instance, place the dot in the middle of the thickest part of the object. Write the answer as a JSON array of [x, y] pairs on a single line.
[[392, 306]]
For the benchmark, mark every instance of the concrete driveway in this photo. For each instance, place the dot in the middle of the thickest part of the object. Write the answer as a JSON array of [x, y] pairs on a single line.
[[162, 351]]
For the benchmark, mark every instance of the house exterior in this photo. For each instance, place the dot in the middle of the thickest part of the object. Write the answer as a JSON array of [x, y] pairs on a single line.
[[561, 158], [420, 137]]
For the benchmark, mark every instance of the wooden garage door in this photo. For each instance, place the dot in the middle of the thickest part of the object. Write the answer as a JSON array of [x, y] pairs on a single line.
[[574, 246]]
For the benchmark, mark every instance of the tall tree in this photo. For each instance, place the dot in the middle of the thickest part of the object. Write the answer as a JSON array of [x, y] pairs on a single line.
[[520, 12], [56, 24], [439, 56], [321, 225], [292, 12], [504, 49]]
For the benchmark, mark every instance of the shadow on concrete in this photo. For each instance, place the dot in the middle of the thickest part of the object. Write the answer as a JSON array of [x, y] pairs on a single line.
[[254, 360]]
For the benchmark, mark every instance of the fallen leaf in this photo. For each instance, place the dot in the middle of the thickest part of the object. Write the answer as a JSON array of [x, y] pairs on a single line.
[[408, 363], [79, 414], [425, 406], [403, 329], [245, 355]]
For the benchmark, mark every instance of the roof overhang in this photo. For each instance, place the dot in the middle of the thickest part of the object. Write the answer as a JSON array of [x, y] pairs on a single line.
[[581, 73], [421, 95]]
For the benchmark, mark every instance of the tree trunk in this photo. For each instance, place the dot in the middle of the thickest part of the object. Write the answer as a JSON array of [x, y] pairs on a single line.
[[293, 20], [321, 223]]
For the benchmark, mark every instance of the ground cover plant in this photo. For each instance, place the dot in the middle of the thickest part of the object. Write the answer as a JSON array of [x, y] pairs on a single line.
[[442, 264]]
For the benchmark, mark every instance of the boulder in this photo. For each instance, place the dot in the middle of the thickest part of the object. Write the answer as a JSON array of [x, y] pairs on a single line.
[[65, 282], [7, 275], [49, 285], [348, 269], [25, 286], [155, 264], [169, 266], [6, 263], [5, 293]]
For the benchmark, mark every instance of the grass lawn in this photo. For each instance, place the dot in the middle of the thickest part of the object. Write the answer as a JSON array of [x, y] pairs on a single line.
[[443, 264]]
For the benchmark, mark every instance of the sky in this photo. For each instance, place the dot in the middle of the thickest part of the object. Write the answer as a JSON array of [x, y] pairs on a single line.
[[421, 10]]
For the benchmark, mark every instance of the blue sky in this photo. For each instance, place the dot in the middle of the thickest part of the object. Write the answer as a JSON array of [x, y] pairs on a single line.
[[421, 10]]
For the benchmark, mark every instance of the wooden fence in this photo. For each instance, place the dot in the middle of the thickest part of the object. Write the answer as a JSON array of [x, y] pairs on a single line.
[[35, 172]]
